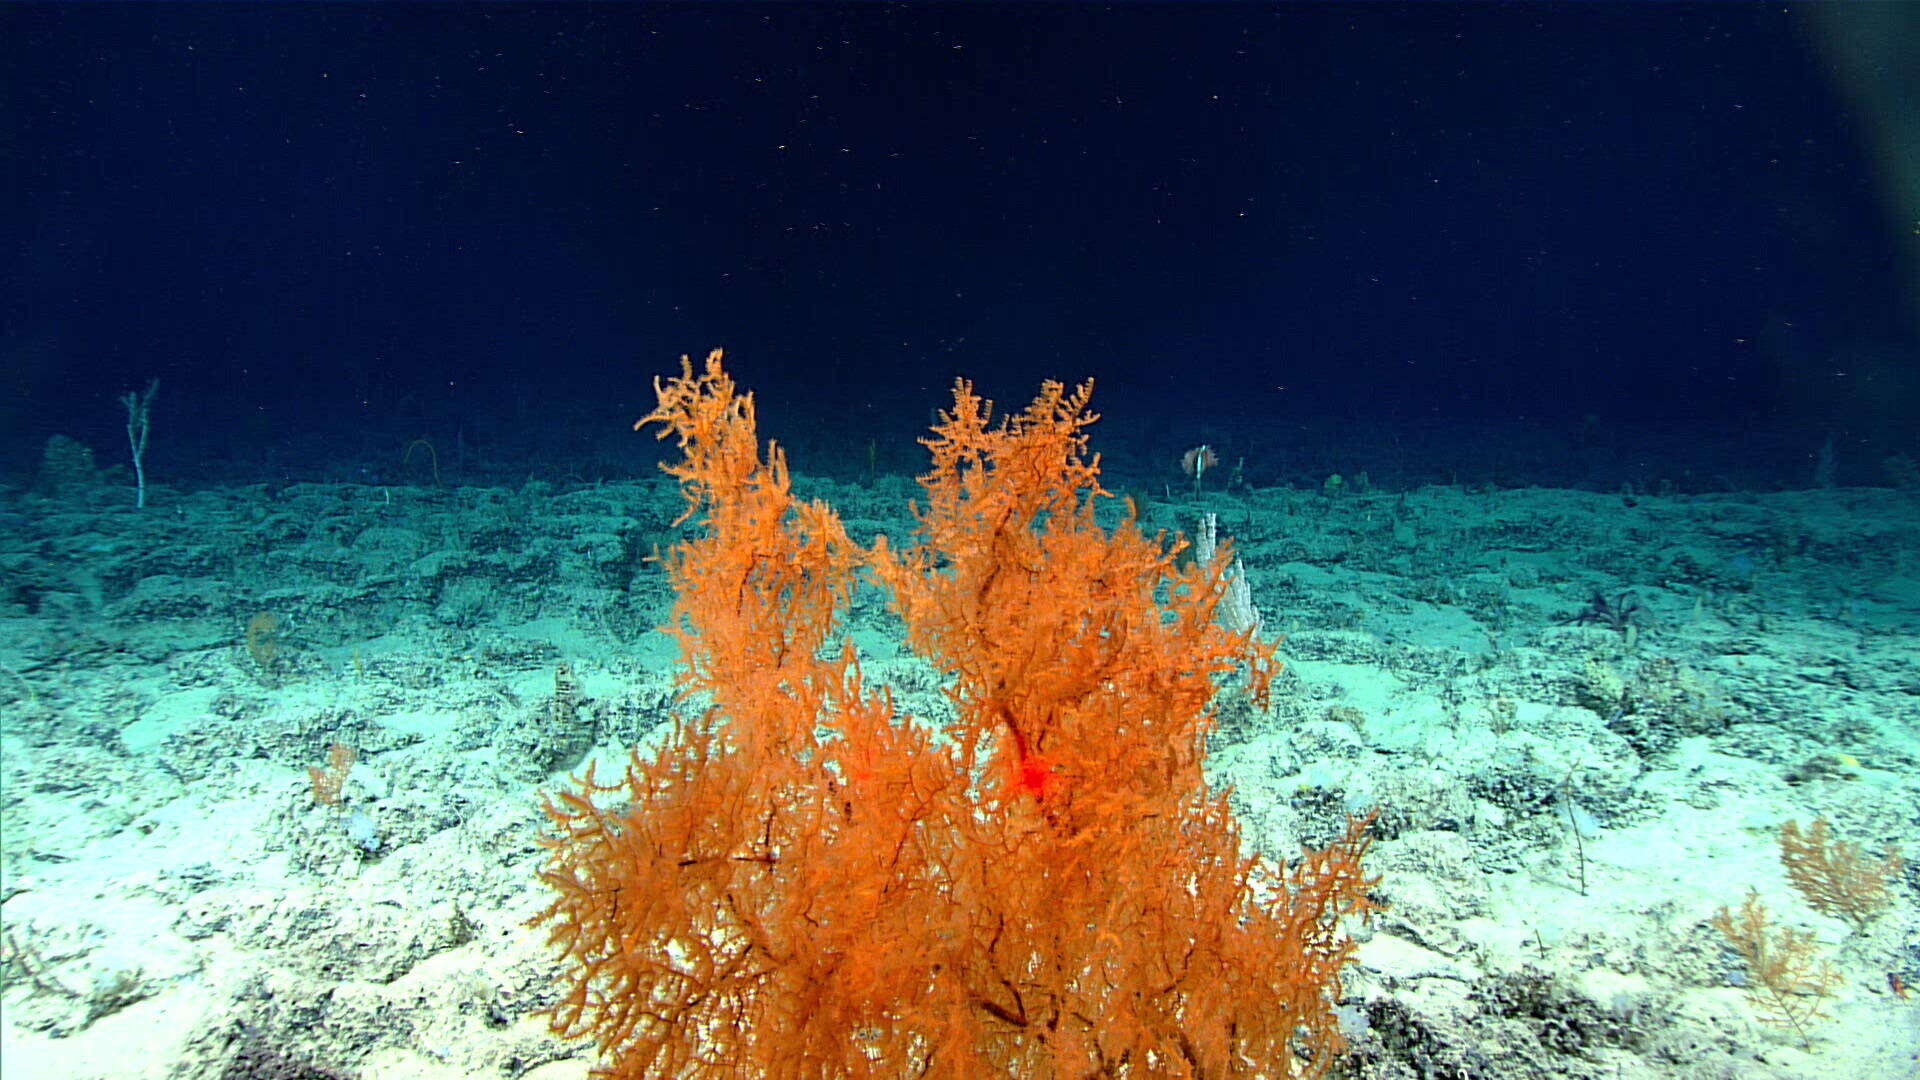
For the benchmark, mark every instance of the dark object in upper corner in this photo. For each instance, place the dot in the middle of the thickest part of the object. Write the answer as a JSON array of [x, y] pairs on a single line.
[[1615, 615]]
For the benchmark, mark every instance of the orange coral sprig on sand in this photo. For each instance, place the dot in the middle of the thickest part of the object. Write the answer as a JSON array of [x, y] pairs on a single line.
[[1836, 877], [801, 883]]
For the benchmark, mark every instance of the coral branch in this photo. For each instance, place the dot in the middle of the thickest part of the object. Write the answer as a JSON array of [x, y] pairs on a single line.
[[1836, 877], [1786, 979]]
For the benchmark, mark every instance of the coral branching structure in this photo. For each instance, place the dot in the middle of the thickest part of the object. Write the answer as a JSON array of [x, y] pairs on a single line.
[[1836, 877], [1787, 980], [800, 881]]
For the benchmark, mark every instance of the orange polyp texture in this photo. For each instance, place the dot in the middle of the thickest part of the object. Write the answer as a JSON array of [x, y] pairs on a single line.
[[801, 882]]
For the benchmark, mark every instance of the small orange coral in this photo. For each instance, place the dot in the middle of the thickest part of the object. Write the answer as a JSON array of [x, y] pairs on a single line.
[[800, 883], [1836, 877], [329, 782], [1787, 981]]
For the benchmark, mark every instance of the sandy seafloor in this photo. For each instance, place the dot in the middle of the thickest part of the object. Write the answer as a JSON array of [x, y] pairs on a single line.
[[177, 905]]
